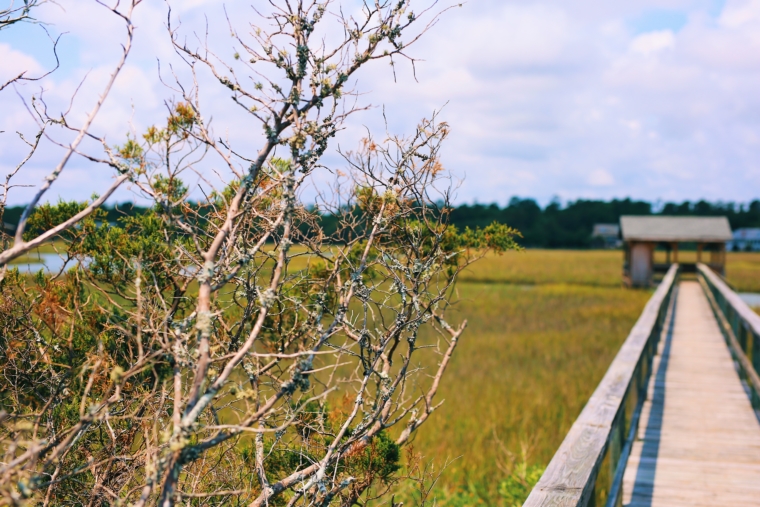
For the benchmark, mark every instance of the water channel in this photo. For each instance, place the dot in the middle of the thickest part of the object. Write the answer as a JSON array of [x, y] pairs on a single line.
[[49, 262]]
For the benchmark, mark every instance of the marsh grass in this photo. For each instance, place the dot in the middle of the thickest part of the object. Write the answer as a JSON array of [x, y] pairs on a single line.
[[743, 271], [601, 268], [529, 361], [544, 326]]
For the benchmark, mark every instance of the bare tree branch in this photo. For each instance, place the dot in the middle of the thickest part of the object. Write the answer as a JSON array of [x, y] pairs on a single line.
[[248, 346]]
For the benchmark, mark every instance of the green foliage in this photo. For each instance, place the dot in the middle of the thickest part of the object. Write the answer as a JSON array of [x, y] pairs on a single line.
[[381, 459], [51, 334], [114, 250], [514, 490], [47, 216], [511, 491], [131, 151], [172, 189], [464, 496], [496, 237], [182, 118]]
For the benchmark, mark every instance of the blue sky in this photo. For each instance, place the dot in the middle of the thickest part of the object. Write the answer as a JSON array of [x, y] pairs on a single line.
[[583, 99], [660, 19]]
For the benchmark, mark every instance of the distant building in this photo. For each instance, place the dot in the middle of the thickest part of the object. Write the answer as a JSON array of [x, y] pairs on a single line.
[[606, 236], [642, 234], [745, 240]]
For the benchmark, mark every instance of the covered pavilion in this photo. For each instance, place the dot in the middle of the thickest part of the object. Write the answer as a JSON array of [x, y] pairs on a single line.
[[642, 234]]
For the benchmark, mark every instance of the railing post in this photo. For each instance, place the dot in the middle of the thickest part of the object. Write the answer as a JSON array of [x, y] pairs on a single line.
[[754, 358], [747, 341], [618, 434], [736, 324], [756, 351]]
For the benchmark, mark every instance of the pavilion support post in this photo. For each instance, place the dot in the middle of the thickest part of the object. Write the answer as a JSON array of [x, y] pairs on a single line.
[[674, 246], [641, 263], [700, 246], [718, 258]]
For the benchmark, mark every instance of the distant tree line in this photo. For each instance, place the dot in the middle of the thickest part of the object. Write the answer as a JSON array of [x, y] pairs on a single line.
[[12, 214], [553, 226], [570, 226]]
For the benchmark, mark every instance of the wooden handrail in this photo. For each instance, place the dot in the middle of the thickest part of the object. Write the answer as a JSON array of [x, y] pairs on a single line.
[[603, 426], [739, 325]]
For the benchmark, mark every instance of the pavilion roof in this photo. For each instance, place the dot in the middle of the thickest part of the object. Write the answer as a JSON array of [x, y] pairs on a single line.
[[678, 229]]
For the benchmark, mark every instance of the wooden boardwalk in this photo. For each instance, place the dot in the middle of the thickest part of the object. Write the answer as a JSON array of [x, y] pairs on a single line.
[[698, 439]]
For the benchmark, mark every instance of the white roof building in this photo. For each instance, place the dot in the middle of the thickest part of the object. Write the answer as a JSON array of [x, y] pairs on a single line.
[[745, 239]]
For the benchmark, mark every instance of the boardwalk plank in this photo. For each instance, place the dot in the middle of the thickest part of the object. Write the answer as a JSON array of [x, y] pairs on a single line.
[[699, 439]]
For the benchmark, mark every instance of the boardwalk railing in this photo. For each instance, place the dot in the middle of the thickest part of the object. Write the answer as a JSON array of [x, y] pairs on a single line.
[[600, 440], [740, 327]]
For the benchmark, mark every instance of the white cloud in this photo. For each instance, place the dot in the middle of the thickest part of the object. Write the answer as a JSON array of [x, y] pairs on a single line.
[[741, 13], [15, 62], [653, 42], [601, 178], [536, 93]]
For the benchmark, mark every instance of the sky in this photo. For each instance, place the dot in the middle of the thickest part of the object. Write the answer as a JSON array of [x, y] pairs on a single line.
[[653, 99]]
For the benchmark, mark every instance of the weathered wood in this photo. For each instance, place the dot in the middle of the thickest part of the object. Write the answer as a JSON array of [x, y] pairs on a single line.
[[733, 299], [569, 478], [743, 312], [699, 439], [638, 393]]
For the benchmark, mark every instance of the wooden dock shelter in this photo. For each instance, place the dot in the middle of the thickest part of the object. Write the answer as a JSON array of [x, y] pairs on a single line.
[[642, 234]]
